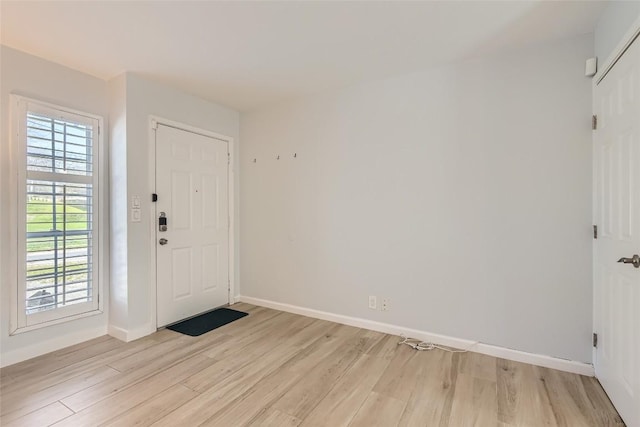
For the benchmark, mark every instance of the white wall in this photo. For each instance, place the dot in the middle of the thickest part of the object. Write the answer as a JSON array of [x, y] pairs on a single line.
[[118, 295], [144, 98], [461, 193], [614, 23], [34, 77]]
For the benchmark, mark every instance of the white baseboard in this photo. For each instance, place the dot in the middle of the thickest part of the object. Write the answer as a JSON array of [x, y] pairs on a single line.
[[44, 347], [130, 335], [117, 333], [488, 349]]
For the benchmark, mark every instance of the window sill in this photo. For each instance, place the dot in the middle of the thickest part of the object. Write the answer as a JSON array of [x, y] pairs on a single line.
[[24, 329]]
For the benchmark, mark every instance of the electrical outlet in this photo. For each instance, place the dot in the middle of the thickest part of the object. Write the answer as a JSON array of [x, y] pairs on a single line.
[[385, 304], [372, 302]]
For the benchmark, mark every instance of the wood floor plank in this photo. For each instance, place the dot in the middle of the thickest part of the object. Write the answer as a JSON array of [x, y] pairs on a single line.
[[47, 363], [306, 394], [243, 409], [522, 397], [44, 416], [273, 417], [275, 368], [386, 347], [22, 404], [431, 399], [474, 403], [154, 361], [566, 407], [310, 333], [319, 348], [342, 402], [246, 353], [479, 366], [31, 384], [379, 410], [116, 404], [603, 410], [152, 410], [252, 339], [167, 347], [569, 399], [400, 378], [228, 389], [234, 408], [253, 323], [237, 382], [194, 412]]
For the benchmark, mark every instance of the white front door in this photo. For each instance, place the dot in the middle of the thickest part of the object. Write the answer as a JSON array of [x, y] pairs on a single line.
[[617, 215], [192, 255]]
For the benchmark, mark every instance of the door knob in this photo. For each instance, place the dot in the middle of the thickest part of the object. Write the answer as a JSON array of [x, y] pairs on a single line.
[[163, 241], [635, 260]]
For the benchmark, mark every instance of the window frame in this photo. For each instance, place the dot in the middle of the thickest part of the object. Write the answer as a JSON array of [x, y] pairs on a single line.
[[20, 321]]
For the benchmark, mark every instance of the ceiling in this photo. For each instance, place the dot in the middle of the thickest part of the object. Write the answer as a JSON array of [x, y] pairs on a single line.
[[249, 54]]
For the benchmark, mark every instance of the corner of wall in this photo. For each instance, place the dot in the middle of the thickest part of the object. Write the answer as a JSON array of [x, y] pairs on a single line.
[[118, 286], [130, 335]]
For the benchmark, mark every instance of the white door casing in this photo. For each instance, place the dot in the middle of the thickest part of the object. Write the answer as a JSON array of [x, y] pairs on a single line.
[[192, 183], [617, 215]]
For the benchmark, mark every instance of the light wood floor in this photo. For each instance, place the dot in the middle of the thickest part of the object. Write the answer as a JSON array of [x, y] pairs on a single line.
[[279, 369]]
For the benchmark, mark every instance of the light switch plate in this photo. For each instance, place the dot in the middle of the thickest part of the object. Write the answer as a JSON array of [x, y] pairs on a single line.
[[135, 201]]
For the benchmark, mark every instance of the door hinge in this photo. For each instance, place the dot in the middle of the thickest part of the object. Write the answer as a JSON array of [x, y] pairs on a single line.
[[595, 231], [595, 340], [228, 158], [594, 122], [154, 197]]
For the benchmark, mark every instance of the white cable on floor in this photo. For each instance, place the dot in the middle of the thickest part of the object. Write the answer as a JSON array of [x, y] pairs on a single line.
[[426, 346]]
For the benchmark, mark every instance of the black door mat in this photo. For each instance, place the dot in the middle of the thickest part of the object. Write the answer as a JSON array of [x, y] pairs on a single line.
[[207, 322]]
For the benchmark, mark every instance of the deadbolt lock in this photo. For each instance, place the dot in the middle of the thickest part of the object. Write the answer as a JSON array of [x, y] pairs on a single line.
[[162, 222]]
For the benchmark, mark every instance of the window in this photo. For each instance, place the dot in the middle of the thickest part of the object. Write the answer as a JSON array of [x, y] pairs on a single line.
[[58, 221]]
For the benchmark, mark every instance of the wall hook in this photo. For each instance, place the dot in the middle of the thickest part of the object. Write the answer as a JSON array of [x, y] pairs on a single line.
[[295, 155], [254, 160], [278, 158]]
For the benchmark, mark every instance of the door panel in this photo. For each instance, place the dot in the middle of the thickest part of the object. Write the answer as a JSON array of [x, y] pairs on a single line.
[[181, 204], [210, 202], [617, 213], [181, 265], [211, 269], [192, 187]]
